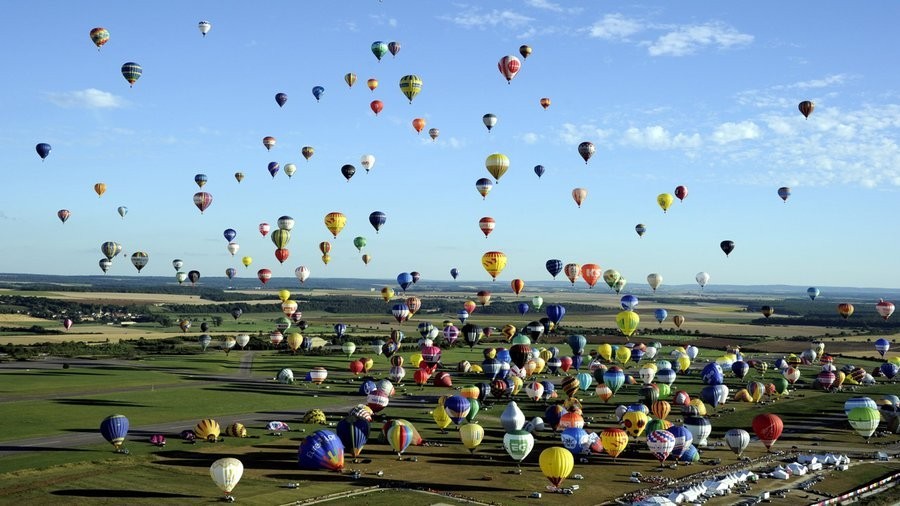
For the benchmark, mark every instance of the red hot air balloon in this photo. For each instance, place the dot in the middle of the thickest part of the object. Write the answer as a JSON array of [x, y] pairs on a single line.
[[487, 225], [768, 428], [264, 229], [282, 254], [202, 200], [517, 286], [509, 66], [377, 106], [264, 275], [681, 192]]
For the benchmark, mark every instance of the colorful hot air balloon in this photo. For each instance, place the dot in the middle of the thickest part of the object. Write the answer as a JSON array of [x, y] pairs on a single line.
[[99, 36], [239, 176], [884, 308], [493, 262], [323, 449], [434, 133], [509, 66], [202, 200], [628, 322], [132, 72], [806, 108], [63, 215], [484, 185], [418, 124], [525, 51], [545, 103], [335, 222], [517, 286], [845, 309], [269, 142], [641, 229], [350, 79], [307, 152], [591, 273], [394, 48], [410, 85], [486, 224]]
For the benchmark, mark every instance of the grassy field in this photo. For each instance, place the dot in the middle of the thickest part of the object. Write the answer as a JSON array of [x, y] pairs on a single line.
[[46, 400]]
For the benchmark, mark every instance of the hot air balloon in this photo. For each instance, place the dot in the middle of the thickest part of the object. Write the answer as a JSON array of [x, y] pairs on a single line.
[[202, 200], [139, 259], [681, 192], [665, 201], [882, 346], [737, 440], [784, 192], [545, 103], [727, 247], [317, 92], [640, 228], [497, 164], [578, 195], [264, 275], [377, 219], [281, 99], [366, 259], [509, 66], [591, 273], [239, 176], [654, 280], [377, 106], [845, 309], [586, 150], [806, 108], [321, 450], [486, 224], [767, 311], [410, 85], [573, 271], [63, 215], [379, 49], [43, 150], [353, 433], [660, 314], [99, 36], [204, 27], [273, 168], [628, 322], [269, 142], [335, 222], [518, 444], [100, 189], [489, 120], [812, 292], [628, 302], [350, 79], [132, 72], [864, 420], [768, 428], [418, 124], [493, 262], [307, 152], [394, 48], [517, 286], [114, 428], [884, 308], [290, 169], [454, 273], [556, 463], [484, 185], [434, 133], [226, 473], [554, 267]]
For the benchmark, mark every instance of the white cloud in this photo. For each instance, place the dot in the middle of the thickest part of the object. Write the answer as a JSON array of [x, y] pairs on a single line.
[[783, 96], [550, 6], [530, 137], [733, 132], [392, 22], [576, 134], [614, 27], [688, 39], [657, 137], [90, 98], [476, 18]]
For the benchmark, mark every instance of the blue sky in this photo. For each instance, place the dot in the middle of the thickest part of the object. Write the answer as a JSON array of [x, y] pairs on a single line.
[[702, 94]]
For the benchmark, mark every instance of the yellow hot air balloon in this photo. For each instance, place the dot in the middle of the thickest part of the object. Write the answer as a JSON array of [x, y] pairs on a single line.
[[284, 295], [605, 351], [410, 85], [614, 441], [440, 416], [350, 79], [387, 293], [508, 331], [326, 258], [665, 201], [294, 340], [628, 322], [497, 164], [684, 362], [100, 188], [471, 435], [623, 355], [335, 223], [635, 422], [207, 429], [556, 464], [493, 262], [247, 261]]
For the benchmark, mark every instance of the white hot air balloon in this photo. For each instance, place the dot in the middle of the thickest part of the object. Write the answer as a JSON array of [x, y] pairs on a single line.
[[302, 273], [367, 162], [654, 280], [702, 279], [242, 340], [737, 440], [512, 417], [226, 473], [233, 248], [204, 27]]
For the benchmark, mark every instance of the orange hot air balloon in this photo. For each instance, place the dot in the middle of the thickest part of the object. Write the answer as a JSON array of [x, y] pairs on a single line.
[[377, 106], [470, 306], [418, 124], [517, 286], [591, 274], [573, 271], [100, 188], [372, 83], [579, 194], [487, 225], [845, 309], [545, 103]]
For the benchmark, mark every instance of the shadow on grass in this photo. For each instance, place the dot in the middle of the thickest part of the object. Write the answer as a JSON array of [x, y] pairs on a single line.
[[39, 449], [261, 460], [99, 402], [121, 494]]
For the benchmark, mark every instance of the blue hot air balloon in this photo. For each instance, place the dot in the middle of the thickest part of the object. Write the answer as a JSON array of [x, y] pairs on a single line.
[[454, 272], [660, 314], [522, 308], [740, 369], [882, 346], [539, 170], [281, 99], [230, 272], [317, 92], [577, 342], [322, 449], [404, 279], [457, 407], [629, 302], [43, 150], [353, 433], [554, 267], [229, 234], [200, 179], [340, 329], [555, 313], [114, 428], [378, 219], [614, 378], [712, 374], [274, 168], [813, 292]]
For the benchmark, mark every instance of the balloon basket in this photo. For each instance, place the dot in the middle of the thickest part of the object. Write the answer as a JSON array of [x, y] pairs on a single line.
[[228, 498]]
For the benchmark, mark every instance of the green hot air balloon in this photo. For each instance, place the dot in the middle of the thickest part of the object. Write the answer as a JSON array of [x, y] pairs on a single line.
[[359, 242], [281, 238], [379, 49], [518, 444], [864, 420]]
